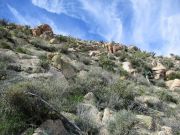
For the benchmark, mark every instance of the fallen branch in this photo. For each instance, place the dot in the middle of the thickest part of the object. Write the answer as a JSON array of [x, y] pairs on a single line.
[[69, 125]]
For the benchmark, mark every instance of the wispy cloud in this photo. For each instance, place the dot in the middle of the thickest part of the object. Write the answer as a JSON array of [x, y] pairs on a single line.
[[100, 21], [153, 25], [17, 15]]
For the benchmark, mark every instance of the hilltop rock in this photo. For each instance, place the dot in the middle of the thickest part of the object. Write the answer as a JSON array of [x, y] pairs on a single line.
[[44, 31]]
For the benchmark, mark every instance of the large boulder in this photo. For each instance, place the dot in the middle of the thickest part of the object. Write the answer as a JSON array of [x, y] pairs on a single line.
[[159, 71], [128, 67], [63, 64], [45, 31], [173, 84]]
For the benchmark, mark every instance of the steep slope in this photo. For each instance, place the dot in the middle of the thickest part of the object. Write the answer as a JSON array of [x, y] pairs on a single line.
[[84, 87]]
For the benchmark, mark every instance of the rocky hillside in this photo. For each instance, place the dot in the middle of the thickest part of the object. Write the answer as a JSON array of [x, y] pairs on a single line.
[[58, 85]]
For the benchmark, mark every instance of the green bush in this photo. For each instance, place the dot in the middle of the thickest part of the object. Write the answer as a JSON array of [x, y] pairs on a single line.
[[106, 63], [22, 50], [5, 45], [116, 96], [123, 124], [4, 33], [44, 63], [173, 76], [19, 109], [40, 45], [165, 96], [63, 38], [168, 63]]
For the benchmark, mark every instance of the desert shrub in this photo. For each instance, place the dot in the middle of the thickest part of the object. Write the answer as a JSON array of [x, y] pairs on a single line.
[[4, 33], [64, 49], [123, 124], [22, 50], [85, 123], [19, 33], [20, 109], [116, 96], [167, 97], [140, 80], [85, 60], [44, 63], [168, 63], [5, 45], [160, 83], [106, 63], [62, 38], [122, 55], [141, 66], [122, 72], [38, 43], [173, 76]]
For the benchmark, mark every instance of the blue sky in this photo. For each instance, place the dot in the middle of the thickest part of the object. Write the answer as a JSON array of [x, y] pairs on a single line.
[[152, 25]]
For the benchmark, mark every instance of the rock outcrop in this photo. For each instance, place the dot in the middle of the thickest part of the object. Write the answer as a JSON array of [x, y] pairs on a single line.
[[45, 31], [111, 48], [173, 84], [159, 71]]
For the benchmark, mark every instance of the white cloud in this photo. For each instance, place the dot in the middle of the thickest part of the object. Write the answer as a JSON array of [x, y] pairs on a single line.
[[171, 33], [100, 20], [157, 20], [155, 23]]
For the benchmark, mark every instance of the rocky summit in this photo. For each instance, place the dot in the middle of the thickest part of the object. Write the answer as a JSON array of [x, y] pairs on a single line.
[[59, 85]]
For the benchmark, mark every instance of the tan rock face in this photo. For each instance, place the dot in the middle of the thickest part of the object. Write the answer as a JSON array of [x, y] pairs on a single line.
[[173, 84], [112, 48], [159, 71], [43, 30]]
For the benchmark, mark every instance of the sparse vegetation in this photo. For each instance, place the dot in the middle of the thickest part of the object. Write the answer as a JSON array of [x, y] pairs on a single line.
[[123, 124], [49, 79], [106, 63]]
